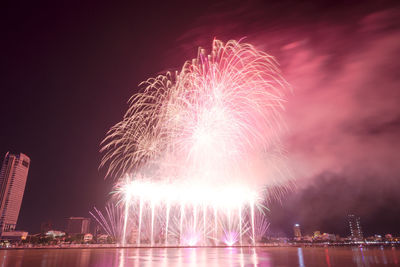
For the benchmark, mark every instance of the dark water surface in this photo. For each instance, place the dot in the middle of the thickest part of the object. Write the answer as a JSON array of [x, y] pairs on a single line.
[[207, 257]]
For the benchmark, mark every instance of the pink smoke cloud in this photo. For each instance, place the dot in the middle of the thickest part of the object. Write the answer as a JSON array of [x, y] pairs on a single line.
[[343, 112]]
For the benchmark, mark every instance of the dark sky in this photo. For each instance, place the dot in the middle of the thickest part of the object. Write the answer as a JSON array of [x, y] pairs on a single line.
[[68, 71]]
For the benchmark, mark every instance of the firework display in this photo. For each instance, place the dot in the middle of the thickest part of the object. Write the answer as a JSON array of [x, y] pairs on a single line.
[[199, 150]]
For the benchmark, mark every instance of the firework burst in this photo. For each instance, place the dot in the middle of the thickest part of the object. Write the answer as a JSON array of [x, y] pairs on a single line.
[[214, 124]]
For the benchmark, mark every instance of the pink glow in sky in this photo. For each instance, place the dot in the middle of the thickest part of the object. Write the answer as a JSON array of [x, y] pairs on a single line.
[[344, 114], [344, 110]]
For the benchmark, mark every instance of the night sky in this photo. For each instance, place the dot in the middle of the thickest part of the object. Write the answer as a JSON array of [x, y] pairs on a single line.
[[67, 72]]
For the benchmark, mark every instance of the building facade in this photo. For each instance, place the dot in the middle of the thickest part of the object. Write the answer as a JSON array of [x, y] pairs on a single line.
[[355, 227], [13, 175], [78, 225], [297, 231]]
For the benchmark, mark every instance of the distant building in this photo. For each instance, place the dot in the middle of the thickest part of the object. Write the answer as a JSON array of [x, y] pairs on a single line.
[[388, 237], [13, 174], [54, 233], [328, 237], [78, 225], [14, 236], [377, 238], [103, 238], [307, 238], [297, 231], [87, 237], [355, 227], [316, 234]]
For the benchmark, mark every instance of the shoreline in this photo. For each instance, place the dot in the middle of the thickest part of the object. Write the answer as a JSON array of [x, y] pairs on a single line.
[[116, 246]]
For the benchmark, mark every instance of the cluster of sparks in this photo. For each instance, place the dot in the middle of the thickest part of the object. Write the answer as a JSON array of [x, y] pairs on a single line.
[[198, 149], [189, 193]]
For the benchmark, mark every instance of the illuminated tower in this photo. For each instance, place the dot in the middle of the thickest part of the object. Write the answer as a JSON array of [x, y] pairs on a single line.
[[13, 174], [296, 230], [355, 227]]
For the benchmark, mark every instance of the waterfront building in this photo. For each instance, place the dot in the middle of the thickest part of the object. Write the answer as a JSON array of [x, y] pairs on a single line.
[[55, 233], [377, 238], [355, 227], [328, 237], [317, 234], [307, 238], [103, 238], [13, 175], [14, 236], [388, 237], [297, 231], [78, 225], [87, 237]]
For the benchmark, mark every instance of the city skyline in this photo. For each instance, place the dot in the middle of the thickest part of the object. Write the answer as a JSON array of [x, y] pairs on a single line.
[[70, 72]]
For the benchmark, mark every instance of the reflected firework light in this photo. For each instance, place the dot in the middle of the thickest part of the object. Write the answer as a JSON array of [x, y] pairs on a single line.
[[202, 145]]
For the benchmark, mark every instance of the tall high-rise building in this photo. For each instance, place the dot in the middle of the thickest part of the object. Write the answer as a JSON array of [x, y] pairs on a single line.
[[355, 227], [13, 174], [297, 231], [78, 225]]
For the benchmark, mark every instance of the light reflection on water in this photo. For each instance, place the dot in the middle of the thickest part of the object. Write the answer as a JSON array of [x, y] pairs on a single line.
[[300, 255], [205, 257]]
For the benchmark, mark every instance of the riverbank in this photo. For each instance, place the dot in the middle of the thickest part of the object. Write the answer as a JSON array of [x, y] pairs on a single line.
[[94, 246]]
